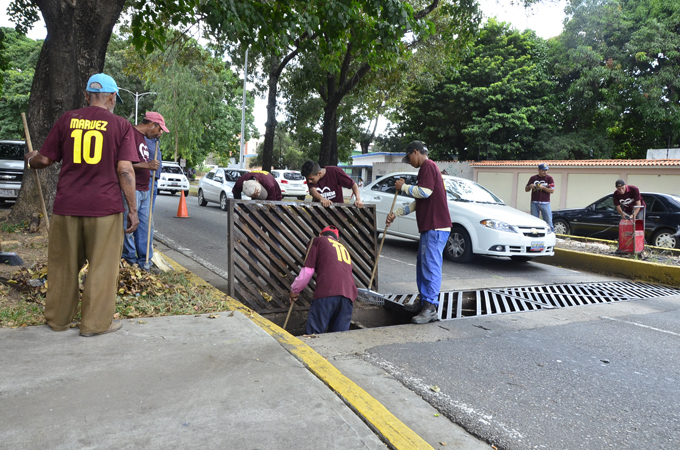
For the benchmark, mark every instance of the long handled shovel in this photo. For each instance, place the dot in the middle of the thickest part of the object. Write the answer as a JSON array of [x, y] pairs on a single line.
[[367, 295], [148, 227], [37, 179], [290, 310]]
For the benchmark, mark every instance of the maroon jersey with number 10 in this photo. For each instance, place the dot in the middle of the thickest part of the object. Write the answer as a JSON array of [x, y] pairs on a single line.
[[89, 142], [333, 267]]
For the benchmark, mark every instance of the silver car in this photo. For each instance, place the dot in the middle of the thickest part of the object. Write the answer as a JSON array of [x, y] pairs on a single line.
[[216, 186], [11, 168]]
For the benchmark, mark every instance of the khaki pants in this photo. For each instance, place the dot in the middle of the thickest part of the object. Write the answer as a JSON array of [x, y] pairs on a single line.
[[73, 241]]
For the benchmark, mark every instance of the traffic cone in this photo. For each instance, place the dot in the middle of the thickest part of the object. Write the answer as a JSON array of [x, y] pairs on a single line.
[[182, 209]]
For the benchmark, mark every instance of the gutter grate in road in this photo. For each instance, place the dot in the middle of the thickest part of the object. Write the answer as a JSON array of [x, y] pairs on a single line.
[[483, 302]]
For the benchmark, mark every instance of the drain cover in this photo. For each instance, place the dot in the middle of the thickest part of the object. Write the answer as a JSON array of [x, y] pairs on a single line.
[[484, 302]]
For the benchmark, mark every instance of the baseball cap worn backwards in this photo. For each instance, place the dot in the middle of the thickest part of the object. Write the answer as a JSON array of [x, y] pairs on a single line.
[[620, 183], [156, 117], [101, 82], [411, 147], [249, 187], [332, 229], [543, 166]]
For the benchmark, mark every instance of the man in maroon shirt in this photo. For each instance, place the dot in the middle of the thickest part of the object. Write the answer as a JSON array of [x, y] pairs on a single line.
[[269, 189], [434, 224], [335, 291], [325, 185], [96, 149], [626, 198], [136, 243]]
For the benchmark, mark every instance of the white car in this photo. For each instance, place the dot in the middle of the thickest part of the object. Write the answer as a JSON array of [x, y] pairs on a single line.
[[216, 186], [292, 183], [481, 224], [172, 179]]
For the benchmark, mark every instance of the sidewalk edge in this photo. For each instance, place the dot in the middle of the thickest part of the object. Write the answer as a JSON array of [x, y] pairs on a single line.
[[390, 429]]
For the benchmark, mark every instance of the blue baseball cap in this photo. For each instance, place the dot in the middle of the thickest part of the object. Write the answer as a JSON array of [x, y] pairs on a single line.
[[543, 166], [101, 82]]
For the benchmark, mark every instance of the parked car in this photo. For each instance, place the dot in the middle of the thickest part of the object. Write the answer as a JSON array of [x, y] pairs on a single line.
[[11, 168], [600, 220], [172, 179], [481, 223], [217, 184], [292, 183]]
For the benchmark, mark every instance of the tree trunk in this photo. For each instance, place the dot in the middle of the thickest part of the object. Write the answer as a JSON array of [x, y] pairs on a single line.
[[270, 125], [78, 34]]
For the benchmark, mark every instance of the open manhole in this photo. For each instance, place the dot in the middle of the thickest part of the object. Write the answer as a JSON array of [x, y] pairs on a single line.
[[484, 302]]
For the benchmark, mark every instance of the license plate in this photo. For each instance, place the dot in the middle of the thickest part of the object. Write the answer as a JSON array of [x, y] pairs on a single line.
[[537, 246], [174, 184], [8, 192]]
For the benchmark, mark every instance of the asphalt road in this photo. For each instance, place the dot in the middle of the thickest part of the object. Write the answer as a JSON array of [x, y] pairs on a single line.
[[592, 377]]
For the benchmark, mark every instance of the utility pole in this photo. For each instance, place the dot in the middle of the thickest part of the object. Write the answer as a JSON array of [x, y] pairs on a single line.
[[241, 162], [137, 96]]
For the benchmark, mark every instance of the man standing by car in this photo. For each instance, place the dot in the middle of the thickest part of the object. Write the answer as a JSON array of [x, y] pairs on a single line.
[[325, 185], [541, 186], [626, 198], [96, 149], [135, 244], [434, 224]]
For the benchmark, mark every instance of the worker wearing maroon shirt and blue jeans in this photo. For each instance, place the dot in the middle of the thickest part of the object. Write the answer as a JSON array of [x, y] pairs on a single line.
[[335, 290], [434, 224]]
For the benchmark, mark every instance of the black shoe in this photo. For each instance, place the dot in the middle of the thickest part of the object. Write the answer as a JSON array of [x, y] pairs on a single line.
[[415, 307], [428, 314]]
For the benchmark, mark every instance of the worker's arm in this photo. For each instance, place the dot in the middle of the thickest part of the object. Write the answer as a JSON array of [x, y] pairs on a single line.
[[35, 160], [547, 189], [318, 198], [152, 164], [528, 187], [620, 211], [126, 179], [355, 191], [301, 282]]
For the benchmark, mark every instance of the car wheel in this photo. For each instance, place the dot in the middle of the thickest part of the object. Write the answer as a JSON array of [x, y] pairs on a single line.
[[173, 192], [521, 258], [561, 227], [223, 201], [459, 246], [186, 193], [666, 238], [201, 199]]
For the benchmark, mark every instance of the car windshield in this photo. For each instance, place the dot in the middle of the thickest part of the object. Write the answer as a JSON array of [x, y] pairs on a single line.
[[171, 169], [295, 176], [469, 191], [12, 151]]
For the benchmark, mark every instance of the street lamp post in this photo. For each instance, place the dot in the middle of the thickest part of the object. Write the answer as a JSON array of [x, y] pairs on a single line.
[[137, 96]]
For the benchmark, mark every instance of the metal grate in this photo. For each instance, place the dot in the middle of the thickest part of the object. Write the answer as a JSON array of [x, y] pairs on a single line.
[[461, 304]]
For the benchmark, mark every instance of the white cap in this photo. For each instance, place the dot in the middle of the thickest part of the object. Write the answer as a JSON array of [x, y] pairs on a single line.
[[250, 186]]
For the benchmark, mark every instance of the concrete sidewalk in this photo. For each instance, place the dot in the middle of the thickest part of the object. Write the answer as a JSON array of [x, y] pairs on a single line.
[[167, 383], [237, 381]]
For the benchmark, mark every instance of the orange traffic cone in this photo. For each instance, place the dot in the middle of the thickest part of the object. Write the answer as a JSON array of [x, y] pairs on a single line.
[[182, 209]]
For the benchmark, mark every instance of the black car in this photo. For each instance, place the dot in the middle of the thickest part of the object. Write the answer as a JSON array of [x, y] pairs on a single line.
[[600, 220]]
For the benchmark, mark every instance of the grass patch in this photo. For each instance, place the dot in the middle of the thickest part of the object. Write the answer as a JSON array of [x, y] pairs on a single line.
[[143, 295], [7, 227]]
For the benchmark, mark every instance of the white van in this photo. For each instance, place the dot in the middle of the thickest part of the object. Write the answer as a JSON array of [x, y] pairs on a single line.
[[172, 179]]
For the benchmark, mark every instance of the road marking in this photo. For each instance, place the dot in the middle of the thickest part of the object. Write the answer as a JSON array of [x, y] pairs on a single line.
[[641, 325], [399, 261]]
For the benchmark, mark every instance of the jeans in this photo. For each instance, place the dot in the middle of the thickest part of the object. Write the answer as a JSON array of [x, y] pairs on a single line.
[[429, 264], [544, 209], [332, 313], [134, 244], [155, 193]]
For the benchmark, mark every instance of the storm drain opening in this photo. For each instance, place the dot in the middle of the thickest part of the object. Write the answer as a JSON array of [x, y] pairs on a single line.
[[483, 302]]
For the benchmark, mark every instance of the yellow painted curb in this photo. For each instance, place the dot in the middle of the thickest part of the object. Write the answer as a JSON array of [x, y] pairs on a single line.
[[391, 430], [611, 265]]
